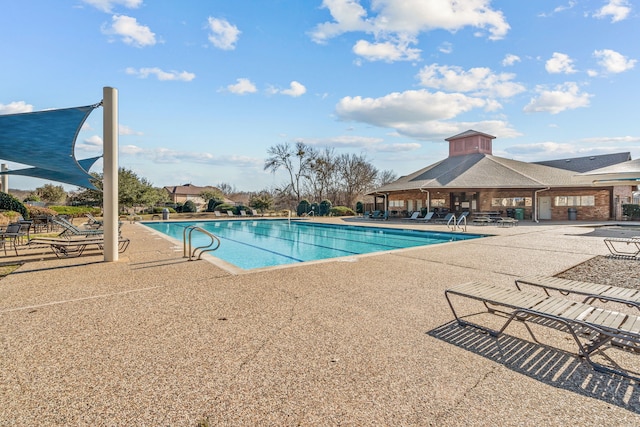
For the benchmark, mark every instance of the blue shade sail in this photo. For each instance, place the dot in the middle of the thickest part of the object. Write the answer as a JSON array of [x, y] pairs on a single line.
[[74, 177], [46, 141]]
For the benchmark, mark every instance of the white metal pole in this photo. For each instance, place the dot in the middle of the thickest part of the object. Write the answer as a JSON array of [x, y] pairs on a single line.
[[110, 172], [5, 179]]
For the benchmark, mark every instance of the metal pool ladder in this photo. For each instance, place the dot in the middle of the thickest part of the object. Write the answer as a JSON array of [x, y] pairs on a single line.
[[188, 251]]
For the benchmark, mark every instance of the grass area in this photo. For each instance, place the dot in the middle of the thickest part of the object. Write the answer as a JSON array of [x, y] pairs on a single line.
[[7, 269]]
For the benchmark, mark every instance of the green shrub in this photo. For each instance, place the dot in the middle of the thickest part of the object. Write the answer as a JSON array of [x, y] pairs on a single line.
[[189, 206], [75, 211], [39, 210], [212, 203], [10, 203], [359, 207], [159, 209], [325, 208], [632, 211], [224, 207], [342, 211], [303, 207]]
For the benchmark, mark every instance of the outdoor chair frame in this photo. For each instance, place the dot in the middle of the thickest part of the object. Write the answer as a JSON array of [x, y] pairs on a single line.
[[631, 246], [595, 325], [591, 291], [66, 248]]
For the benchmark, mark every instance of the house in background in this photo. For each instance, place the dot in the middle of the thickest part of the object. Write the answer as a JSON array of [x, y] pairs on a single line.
[[472, 179], [181, 193]]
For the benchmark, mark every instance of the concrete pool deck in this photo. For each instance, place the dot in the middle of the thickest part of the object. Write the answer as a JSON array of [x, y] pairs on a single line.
[[154, 339]]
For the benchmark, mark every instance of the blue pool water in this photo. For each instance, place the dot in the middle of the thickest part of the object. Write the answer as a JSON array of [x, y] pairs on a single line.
[[250, 244]]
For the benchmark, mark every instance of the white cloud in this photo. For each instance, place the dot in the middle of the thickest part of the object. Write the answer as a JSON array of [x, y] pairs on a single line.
[[446, 47], [108, 5], [223, 34], [16, 108], [419, 113], [345, 141], [295, 89], [126, 130], [510, 59], [385, 51], [396, 24], [563, 97], [560, 63], [364, 143], [411, 106], [478, 81], [613, 61], [613, 140], [619, 10], [130, 31], [161, 75], [171, 156], [550, 149], [242, 86], [92, 144]]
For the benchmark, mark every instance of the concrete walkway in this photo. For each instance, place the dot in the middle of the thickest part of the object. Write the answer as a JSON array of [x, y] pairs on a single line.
[[156, 340]]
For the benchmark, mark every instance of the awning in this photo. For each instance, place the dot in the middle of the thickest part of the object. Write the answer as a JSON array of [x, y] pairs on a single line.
[[46, 141]]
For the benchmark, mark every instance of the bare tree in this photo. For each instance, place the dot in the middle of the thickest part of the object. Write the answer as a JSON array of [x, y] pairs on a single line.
[[322, 174], [357, 176], [226, 188], [283, 156], [386, 177]]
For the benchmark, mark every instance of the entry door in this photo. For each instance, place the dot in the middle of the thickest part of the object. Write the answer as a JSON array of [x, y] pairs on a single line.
[[544, 207]]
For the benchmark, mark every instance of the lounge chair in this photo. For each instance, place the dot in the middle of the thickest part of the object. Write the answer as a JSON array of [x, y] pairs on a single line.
[[75, 247], [506, 222], [428, 217], [69, 230], [243, 213], [376, 215], [93, 221], [592, 291], [217, 213], [230, 213], [599, 326], [444, 220], [482, 220], [414, 216], [628, 247], [254, 212]]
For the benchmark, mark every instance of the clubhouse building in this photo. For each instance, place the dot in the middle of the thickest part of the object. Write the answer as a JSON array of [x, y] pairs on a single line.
[[472, 179]]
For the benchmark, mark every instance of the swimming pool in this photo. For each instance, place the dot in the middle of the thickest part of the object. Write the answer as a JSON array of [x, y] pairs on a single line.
[[250, 244]]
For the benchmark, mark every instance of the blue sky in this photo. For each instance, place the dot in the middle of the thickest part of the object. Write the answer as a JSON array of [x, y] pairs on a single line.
[[206, 87]]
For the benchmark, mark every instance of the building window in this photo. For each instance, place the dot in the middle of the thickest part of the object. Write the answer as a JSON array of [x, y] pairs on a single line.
[[437, 203], [396, 203], [507, 202], [575, 201]]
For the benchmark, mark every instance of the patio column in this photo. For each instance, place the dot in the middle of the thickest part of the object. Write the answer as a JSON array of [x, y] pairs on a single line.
[[110, 172]]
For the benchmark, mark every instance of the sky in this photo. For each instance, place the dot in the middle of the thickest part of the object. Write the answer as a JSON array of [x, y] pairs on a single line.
[[206, 87]]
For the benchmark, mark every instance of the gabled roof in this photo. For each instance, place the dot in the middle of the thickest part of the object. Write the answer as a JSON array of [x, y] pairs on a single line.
[[588, 163], [622, 173], [485, 171], [467, 133], [189, 189]]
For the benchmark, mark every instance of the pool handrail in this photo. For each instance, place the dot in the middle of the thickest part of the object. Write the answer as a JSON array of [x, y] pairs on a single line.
[[191, 253]]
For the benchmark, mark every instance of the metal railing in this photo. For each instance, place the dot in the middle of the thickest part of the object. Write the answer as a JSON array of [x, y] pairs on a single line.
[[457, 223], [188, 251]]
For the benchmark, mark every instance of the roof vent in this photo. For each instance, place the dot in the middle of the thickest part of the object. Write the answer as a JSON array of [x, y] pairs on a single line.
[[592, 158]]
